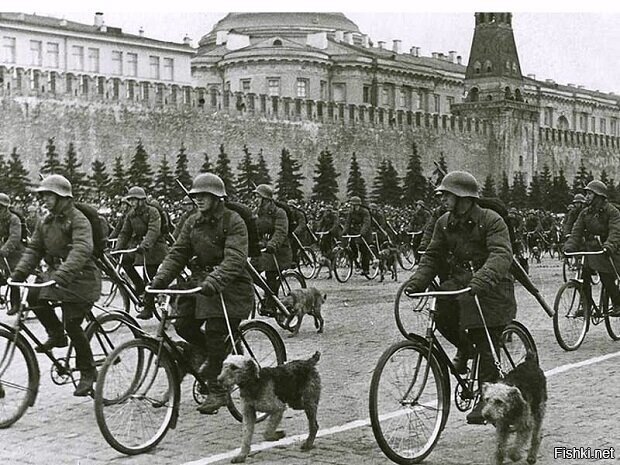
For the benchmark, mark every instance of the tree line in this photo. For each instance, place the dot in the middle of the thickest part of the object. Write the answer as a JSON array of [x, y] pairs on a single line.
[[551, 192]]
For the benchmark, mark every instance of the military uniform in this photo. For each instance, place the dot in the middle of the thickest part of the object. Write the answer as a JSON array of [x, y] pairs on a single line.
[[359, 222], [330, 223], [272, 225], [12, 247]]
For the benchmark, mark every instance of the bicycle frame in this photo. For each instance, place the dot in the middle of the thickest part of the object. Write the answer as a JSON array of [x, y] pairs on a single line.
[[260, 282]]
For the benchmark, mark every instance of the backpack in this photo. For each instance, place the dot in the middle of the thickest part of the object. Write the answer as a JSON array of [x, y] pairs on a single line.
[[23, 222], [292, 224], [249, 219], [100, 236], [495, 204], [163, 217]]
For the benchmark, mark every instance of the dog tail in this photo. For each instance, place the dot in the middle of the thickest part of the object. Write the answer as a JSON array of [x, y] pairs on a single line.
[[315, 358]]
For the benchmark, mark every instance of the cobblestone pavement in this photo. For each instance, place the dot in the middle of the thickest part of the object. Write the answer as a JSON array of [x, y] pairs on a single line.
[[582, 410]]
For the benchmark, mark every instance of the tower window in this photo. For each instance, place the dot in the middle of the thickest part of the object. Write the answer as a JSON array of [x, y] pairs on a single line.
[[488, 66], [514, 67], [477, 67], [277, 43]]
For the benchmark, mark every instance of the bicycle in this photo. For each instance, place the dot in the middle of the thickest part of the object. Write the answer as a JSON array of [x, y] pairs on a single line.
[[409, 399], [345, 258], [307, 263], [19, 367], [138, 391], [116, 285], [576, 308]]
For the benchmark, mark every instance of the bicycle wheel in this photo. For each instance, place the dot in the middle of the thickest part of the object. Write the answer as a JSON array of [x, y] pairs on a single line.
[[411, 314], [612, 324], [137, 396], [19, 377], [263, 343], [515, 344], [113, 296], [409, 402], [572, 316], [308, 263], [290, 281], [110, 331], [406, 257], [343, 265], [373, 267]]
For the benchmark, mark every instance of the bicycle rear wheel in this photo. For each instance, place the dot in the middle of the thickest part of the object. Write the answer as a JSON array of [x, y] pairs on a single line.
[[572, 316], [110, 331], [409, 402], [308, 263], [19, 377], [373, 267], [264, 345], [137, 396], [612, 324], [515, 344], [411, 314], [406, 257], [343, 265]]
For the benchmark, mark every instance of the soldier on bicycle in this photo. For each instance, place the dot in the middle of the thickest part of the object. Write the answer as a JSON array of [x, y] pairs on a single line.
[[598, 224], [300, 223], [11, 247], [358, 222], [470, 247], [578, 202], [272, 226], [214, 244], [329, 223], [64, 239], [142, 229]]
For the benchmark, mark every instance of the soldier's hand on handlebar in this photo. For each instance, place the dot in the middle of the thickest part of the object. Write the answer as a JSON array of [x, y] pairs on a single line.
[[270, 249]]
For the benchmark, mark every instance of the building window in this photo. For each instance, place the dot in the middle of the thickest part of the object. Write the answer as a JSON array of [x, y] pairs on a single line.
[[244, 85], [421, 100], [548, 117], [450, 101], [273, 85], [613, 126], [84, 85], [8, 45], [603, 126], [477, 67], [402, 97], [131, 90], [302, 88], [36, 55], [488, 67], [514, 67], [168, 69], [324, 91], [593, 124], [117, 62], [78, 57], [101, 85], [132, 64], [53, 54], [69, 84], [437, 103], [366, 93], [145, 91], [93, 60], [340, 92], [154, 67], [116, 88]]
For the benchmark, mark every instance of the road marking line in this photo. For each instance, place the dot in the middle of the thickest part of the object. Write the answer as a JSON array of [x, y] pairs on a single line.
[[366, 422]]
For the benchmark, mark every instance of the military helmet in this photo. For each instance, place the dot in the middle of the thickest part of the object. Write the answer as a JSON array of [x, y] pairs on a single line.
[[136, 193], [579, 198], [5, 201], [56, 184], [355, 200], [208, 183], [459, 183], [265, 191], [598, 187]]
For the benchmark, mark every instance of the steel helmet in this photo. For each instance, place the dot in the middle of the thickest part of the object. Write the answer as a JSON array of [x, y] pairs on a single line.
[[598, 187], [5, 201], [355, 200], [136, 193], [208, 183], [265, 191], [56, 184], [579, 198], [459, 183]]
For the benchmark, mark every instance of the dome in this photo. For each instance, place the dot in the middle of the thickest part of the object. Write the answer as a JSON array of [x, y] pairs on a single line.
[[278, 23]]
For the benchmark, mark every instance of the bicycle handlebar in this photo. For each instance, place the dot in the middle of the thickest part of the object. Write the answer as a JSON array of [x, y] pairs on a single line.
[[321, 233], [10, 282], [123, 251], [192, 290], [414, 233], [440, 293], [351, 236], [573, 254]]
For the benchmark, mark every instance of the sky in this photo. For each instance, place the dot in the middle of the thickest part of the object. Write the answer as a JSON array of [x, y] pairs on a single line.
[[568, 45]]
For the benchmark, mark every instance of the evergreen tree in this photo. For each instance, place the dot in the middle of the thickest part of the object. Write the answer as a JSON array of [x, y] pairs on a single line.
[[441, 169], [262, 171], [246, 176], [51, 163], [288, 185], [581, 179], [518, 191], [71, 170], [560, 196], [223, 170], [415, 185], [356, 185], [99, 180], [604, 178], [18, 180], [3, 170], [164, 180], [118, 183], [181, 172], [489, 187], [206, 164], [326, 180], [545, 181], [386, 187], [535, 194], [140, 173], [504, 190]]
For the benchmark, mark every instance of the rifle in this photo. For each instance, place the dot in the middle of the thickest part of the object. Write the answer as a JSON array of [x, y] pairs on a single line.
[[186, 192]]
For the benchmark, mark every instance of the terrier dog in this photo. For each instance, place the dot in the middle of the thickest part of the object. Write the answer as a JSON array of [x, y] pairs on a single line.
[[296, 384], [327, 263], [516, 404], [305, 301], [536, 254], [388, 259]]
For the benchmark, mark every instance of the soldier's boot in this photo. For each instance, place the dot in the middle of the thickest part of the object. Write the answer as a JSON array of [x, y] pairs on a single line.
[[54, 339], [216, 399], [85, 386], [149, 308]]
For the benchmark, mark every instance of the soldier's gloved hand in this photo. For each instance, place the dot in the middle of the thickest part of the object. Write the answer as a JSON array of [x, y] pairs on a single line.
[[158, 283], [270, 249], [18, 276], [412, 288], [140, 249], [4, 253], [208, 289], [477, 288], [59, 281], [607, 251]]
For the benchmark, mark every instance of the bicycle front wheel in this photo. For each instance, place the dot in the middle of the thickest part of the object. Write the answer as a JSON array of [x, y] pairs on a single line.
[[411, 314], [264, 345], [343, 265], [109, 331], [137, 396], [406, 257], [572, 316], [612, 324], [308, 263], [19, 377], [409, 402], [515, 344]]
